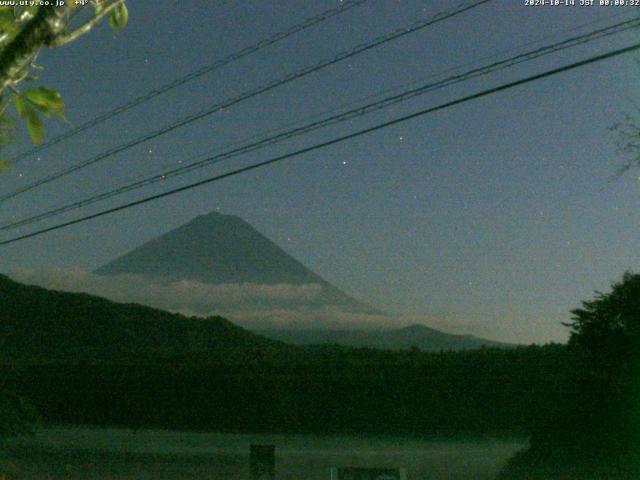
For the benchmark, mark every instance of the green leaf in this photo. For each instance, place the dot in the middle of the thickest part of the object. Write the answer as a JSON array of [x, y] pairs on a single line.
[[35, 126], [61, 116], [47, 100], [7, 120], [4, 164], [21, 105], [119, 16], [7, 129], [98, 7]]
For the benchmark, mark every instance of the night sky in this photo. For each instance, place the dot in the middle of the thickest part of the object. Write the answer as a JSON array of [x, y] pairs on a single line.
[[494, 217]]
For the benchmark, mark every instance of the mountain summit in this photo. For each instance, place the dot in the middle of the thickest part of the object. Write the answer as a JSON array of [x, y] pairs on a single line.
[[218, 249], [220, 265]]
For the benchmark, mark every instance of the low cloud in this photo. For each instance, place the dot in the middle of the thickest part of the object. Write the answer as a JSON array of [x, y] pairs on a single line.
[[250, 305], [175, 296], [308, 317]]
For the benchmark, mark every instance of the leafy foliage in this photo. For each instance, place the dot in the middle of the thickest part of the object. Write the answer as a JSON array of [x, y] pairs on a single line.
[[608, 327], [12, 20], [597, 434], [606, 331], [627, 138], [16, 415], [119, 16], [34, 103]]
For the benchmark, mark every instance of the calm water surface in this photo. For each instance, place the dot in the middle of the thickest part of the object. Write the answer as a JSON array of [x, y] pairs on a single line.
[[118, 454]]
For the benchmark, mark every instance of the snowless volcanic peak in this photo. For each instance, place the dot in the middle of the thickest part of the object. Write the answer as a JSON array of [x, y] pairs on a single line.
[[223, 249]]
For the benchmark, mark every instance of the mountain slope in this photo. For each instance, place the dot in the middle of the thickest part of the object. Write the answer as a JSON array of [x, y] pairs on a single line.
[[223, 249], [36, 323], [419, 336]]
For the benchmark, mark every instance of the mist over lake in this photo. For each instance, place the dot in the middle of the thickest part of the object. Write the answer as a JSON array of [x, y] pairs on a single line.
[[118, 454]]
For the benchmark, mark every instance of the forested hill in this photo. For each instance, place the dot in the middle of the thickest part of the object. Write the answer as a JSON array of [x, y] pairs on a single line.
[[38, 324], [84, 360]]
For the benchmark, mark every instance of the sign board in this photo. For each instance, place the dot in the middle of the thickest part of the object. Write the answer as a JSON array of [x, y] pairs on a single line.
[[356, 473], [262, 460]]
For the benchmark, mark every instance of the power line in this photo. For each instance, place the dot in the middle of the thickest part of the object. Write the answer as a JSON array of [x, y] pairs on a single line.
[[307, 23], [350, 114], [333, 141], [253, 93]]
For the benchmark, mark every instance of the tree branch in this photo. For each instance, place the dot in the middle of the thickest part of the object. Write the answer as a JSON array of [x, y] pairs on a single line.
[[47, 24], [63, 39]]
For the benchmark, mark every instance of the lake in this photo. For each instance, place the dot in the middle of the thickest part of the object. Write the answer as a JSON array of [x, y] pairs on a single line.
[[118, 454]]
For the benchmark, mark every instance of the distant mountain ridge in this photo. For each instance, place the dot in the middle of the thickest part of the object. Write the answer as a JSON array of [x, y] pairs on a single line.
[[224, 249], [413, 336]]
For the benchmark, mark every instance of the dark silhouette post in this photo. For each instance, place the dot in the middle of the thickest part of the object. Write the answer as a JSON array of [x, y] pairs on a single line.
[[263, 462]]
